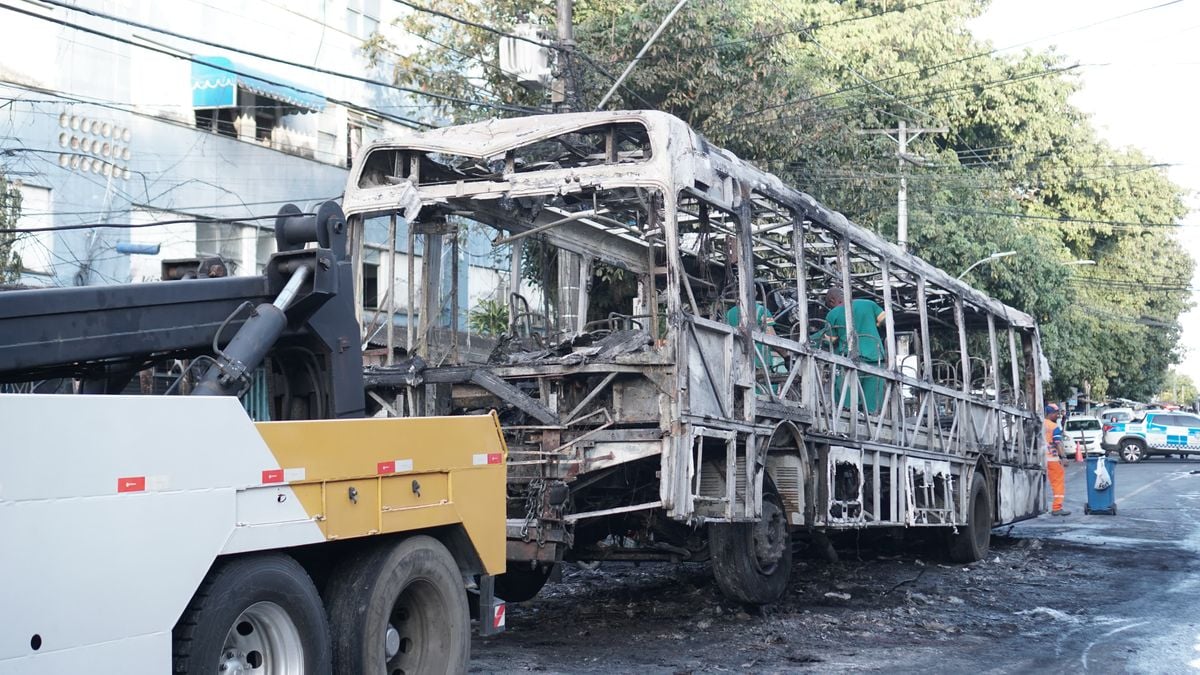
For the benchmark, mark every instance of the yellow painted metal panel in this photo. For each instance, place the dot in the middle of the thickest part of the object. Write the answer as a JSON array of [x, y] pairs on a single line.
[[459, 463], [414, 490], [351, 508]]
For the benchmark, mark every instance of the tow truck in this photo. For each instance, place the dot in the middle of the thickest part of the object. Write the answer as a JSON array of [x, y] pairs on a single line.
[[153, 534]]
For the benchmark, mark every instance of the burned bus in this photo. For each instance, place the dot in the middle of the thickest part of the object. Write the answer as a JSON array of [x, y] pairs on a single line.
[[673, 374]]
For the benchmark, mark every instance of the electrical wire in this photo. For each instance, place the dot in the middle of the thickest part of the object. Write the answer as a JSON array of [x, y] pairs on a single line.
[[294, 64], [549, 45], [938, 66], [134, 226], [675, 52], [1058, 219], [234, 71]]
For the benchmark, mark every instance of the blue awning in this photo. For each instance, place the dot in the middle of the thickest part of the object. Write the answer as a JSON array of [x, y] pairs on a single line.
[[215, 81]]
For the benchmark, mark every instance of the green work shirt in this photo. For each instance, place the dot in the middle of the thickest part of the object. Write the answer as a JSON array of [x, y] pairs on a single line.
[[764, 319], [866, 312]]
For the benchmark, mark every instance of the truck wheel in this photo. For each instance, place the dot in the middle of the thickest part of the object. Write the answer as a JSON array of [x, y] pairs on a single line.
[[1132, 450], [399, 608], [752, 561], [521, 584], [973, 539], [260, 613]]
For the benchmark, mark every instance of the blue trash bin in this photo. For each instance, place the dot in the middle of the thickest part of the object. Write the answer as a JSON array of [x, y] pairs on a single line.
[[1101, 501]]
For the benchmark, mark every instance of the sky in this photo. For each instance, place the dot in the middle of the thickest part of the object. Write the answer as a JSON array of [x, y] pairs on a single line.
[[1139, 85]]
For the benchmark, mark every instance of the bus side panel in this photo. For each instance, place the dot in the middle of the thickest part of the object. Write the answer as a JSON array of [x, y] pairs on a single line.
[[1020, 493]]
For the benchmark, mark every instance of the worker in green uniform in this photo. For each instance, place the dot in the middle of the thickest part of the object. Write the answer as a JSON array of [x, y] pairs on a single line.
[[868, 316], [765, 322]]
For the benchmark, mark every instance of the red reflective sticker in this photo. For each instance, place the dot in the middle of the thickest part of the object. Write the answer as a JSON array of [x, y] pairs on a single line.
[[494, 458], [385, 467], [498, 621], [131, 484], [272, 476]]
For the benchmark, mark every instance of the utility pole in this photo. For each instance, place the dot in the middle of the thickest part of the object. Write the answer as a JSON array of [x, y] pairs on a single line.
[[902, 136], [563, 90]]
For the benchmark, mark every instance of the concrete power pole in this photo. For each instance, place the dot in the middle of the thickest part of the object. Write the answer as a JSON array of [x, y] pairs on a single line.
[[902, 136], [562, 93]]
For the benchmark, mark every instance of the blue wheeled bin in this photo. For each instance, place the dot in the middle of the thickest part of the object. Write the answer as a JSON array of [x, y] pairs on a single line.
[[1104, 499]]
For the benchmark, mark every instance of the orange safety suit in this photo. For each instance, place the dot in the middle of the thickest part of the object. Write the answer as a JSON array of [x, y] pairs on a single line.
[[1054, 467]]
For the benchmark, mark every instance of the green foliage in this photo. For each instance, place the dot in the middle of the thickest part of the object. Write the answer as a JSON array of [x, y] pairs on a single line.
[[786, 84], [1179, 388], [489, 318], [10, 210]]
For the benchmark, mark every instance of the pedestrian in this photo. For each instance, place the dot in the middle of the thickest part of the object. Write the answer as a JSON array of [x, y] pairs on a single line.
[[1055, 459]]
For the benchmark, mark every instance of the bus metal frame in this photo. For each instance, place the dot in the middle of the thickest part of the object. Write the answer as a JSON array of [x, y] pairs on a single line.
[[629, 430]]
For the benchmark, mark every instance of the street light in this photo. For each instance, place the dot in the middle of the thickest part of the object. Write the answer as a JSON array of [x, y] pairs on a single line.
[[1079, 262], [990, 258]]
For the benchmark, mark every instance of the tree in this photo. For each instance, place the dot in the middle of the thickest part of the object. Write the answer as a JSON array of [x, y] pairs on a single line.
[[10, 210], [1179, 389], [785, 83]]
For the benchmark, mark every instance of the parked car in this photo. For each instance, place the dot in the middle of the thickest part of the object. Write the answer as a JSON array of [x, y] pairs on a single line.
[[1084, 429], [1114, 415], [1157, 432]]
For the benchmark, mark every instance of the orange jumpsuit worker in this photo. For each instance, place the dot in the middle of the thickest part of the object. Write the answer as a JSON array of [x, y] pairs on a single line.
[[1055, 458]]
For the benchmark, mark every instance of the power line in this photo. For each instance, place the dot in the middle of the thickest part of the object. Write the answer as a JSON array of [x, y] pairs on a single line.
[[234, 71], [938, 66], [927, 96], [135, 226], [134, 205], [550, 45], [789, 31], [294, 64], [1057, 219]]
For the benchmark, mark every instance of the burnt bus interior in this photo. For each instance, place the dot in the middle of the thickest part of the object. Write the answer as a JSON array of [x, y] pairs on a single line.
[[635, 285]]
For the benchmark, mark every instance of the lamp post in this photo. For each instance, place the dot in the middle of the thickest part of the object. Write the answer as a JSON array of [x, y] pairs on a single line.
[[1070, 263], [990, 258]]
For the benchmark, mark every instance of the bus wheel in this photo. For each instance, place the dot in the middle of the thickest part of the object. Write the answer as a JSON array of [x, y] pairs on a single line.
[[972, 540], [257, 614], [752, 561], [399, 608]]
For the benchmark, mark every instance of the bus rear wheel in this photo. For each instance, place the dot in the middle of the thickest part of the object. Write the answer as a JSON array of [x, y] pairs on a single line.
[[972, 540], [752, 561]]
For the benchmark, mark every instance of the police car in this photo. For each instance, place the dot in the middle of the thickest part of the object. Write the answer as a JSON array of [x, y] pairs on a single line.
[[1157, 432]]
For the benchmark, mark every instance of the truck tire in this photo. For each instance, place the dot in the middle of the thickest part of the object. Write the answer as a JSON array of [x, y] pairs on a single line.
[[972, 540], [399, 608], [260, 613], [752, 561], [519, 584]]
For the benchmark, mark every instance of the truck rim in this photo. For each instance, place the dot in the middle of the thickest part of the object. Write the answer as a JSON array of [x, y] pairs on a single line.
[[263, 639], [419, 607]]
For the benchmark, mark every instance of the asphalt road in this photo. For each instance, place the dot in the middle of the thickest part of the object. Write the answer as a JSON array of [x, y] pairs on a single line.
[[1150, 621], [1080, 594]]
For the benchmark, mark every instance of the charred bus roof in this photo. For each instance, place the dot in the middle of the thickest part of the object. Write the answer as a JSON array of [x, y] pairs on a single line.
[[544, 154]]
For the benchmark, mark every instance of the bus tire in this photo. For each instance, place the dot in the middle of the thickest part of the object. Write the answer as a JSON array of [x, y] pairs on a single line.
[[399, 607], [971, 541], [752, 561], [258, 613]]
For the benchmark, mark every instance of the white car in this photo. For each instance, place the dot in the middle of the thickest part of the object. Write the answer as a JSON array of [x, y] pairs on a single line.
[[1116, 415], [1084, 429], [1157, 432]]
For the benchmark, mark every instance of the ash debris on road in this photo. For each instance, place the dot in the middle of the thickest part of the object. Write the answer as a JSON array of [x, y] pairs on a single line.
[[870, 611]]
